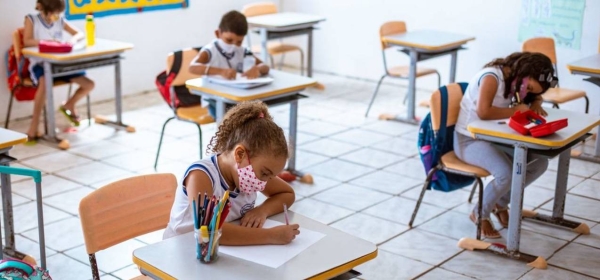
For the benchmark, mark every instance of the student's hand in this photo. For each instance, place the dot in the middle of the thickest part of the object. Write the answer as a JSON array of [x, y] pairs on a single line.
[[538, 109], [253, 73], [284, 234], [254, 218], [521, 107], [228, 74]]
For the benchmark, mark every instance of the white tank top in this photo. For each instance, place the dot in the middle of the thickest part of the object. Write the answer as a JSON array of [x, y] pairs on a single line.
[[468, 105], [182, 221], [44, 31]]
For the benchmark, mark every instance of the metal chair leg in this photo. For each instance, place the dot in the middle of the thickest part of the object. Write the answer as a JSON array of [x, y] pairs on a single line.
[[200, 134], [281, 61], [301, 62], [374, 94], [272, 61], [10, 102], [89, 110], [162, 133], [439, 79], [479, 208], [587, 104], [94, 266], [472, 192], [425, 185]]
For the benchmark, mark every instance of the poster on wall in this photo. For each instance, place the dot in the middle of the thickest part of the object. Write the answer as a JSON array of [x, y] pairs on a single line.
[[559, 19], [78, 9]]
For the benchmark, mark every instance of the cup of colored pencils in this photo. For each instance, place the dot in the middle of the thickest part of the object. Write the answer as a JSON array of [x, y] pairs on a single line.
[[209, 215]]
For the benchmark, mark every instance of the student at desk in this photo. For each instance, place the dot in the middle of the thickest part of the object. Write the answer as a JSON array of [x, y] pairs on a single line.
[[249, 151], [225, 55], [492, 94], [49, 25]]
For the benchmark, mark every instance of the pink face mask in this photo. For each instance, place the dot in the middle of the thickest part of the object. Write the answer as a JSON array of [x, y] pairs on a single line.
[[522, 93], [248, 181]]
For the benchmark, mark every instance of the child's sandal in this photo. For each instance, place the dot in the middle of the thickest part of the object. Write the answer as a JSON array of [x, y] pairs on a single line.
[[496, 211], [494, 235]]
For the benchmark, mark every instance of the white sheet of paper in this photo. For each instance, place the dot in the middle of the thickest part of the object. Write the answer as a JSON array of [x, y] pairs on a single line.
[[274, 255], [241, 82]]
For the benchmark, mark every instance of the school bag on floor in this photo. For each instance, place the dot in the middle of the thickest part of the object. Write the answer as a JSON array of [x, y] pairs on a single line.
[[433, 145], [164, 83], [13, 269]]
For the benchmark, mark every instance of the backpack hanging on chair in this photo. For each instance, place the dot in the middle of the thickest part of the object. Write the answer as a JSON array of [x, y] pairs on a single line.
[[17, 70], [434, 144], [164, 82]]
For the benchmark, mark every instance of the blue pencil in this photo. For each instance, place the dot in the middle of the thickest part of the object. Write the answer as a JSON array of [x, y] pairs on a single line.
[[194, 209], [212, 230]]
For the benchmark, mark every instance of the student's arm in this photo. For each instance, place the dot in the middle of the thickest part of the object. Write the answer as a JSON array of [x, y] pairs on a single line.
[[278, 193], [28, 40], [199, 66], [536, 106], [485, 109], [263, 68], [76, 35], [198, 182]]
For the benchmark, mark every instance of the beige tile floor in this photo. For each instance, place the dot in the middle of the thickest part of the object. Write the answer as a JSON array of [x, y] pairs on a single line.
[[367, 175]]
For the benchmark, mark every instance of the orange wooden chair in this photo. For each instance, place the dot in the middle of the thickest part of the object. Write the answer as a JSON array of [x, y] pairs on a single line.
[[197, 115], [17, 41], [123, 210], [273, 48], [399, 72], [556, 95]]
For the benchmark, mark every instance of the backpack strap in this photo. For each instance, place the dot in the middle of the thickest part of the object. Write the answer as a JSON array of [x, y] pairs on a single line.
[[177, 61], [440, 136]]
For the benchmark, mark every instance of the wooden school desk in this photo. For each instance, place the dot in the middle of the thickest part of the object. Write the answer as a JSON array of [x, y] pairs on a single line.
[[284, 89], [422, 45], [590, 67], [9, 139], [557, 144], [335, 254], [281, 25], [103, 53]]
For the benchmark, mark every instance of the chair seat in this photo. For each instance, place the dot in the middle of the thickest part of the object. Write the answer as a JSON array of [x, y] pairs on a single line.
[[142, 277], [562, 95], [29, 82], [197, 114], [403, 71], [451, 161], [274, 48]]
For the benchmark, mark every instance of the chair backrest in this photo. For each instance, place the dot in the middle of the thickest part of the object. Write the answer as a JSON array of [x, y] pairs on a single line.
[[184, 74], [455, 95], [542, 45], [390, 28], [126, 209], [257, 9], [17, 42]]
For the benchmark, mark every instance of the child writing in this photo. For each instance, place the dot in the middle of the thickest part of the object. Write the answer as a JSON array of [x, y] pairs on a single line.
[[504, 86], [49, 25], [248, 147], [225, 55]]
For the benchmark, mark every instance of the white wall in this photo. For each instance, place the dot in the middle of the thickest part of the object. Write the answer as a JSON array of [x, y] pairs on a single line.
[[154, 34], [347, 43]]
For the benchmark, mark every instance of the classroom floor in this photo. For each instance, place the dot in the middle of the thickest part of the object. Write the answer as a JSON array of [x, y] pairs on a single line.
[[367, 178]]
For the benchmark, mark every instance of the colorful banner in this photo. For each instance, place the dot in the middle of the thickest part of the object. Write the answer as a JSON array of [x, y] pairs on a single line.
[[78, 9], [559, 19]]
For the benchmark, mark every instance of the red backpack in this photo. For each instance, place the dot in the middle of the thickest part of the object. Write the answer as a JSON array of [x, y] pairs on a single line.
[[17, 69], [181, 95]]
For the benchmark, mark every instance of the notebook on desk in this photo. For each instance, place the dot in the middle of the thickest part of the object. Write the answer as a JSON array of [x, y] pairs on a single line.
[[241, 82]]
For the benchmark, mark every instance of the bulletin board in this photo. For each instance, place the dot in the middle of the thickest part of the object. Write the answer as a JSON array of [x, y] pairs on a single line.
[[78, 9], [559, 19]]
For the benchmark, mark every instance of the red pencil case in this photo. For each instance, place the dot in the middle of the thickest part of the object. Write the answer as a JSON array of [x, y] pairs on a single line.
[[521, 122], [54, 47]]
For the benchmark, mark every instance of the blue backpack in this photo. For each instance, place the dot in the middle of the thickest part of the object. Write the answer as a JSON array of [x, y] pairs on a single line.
[[432, 146]]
